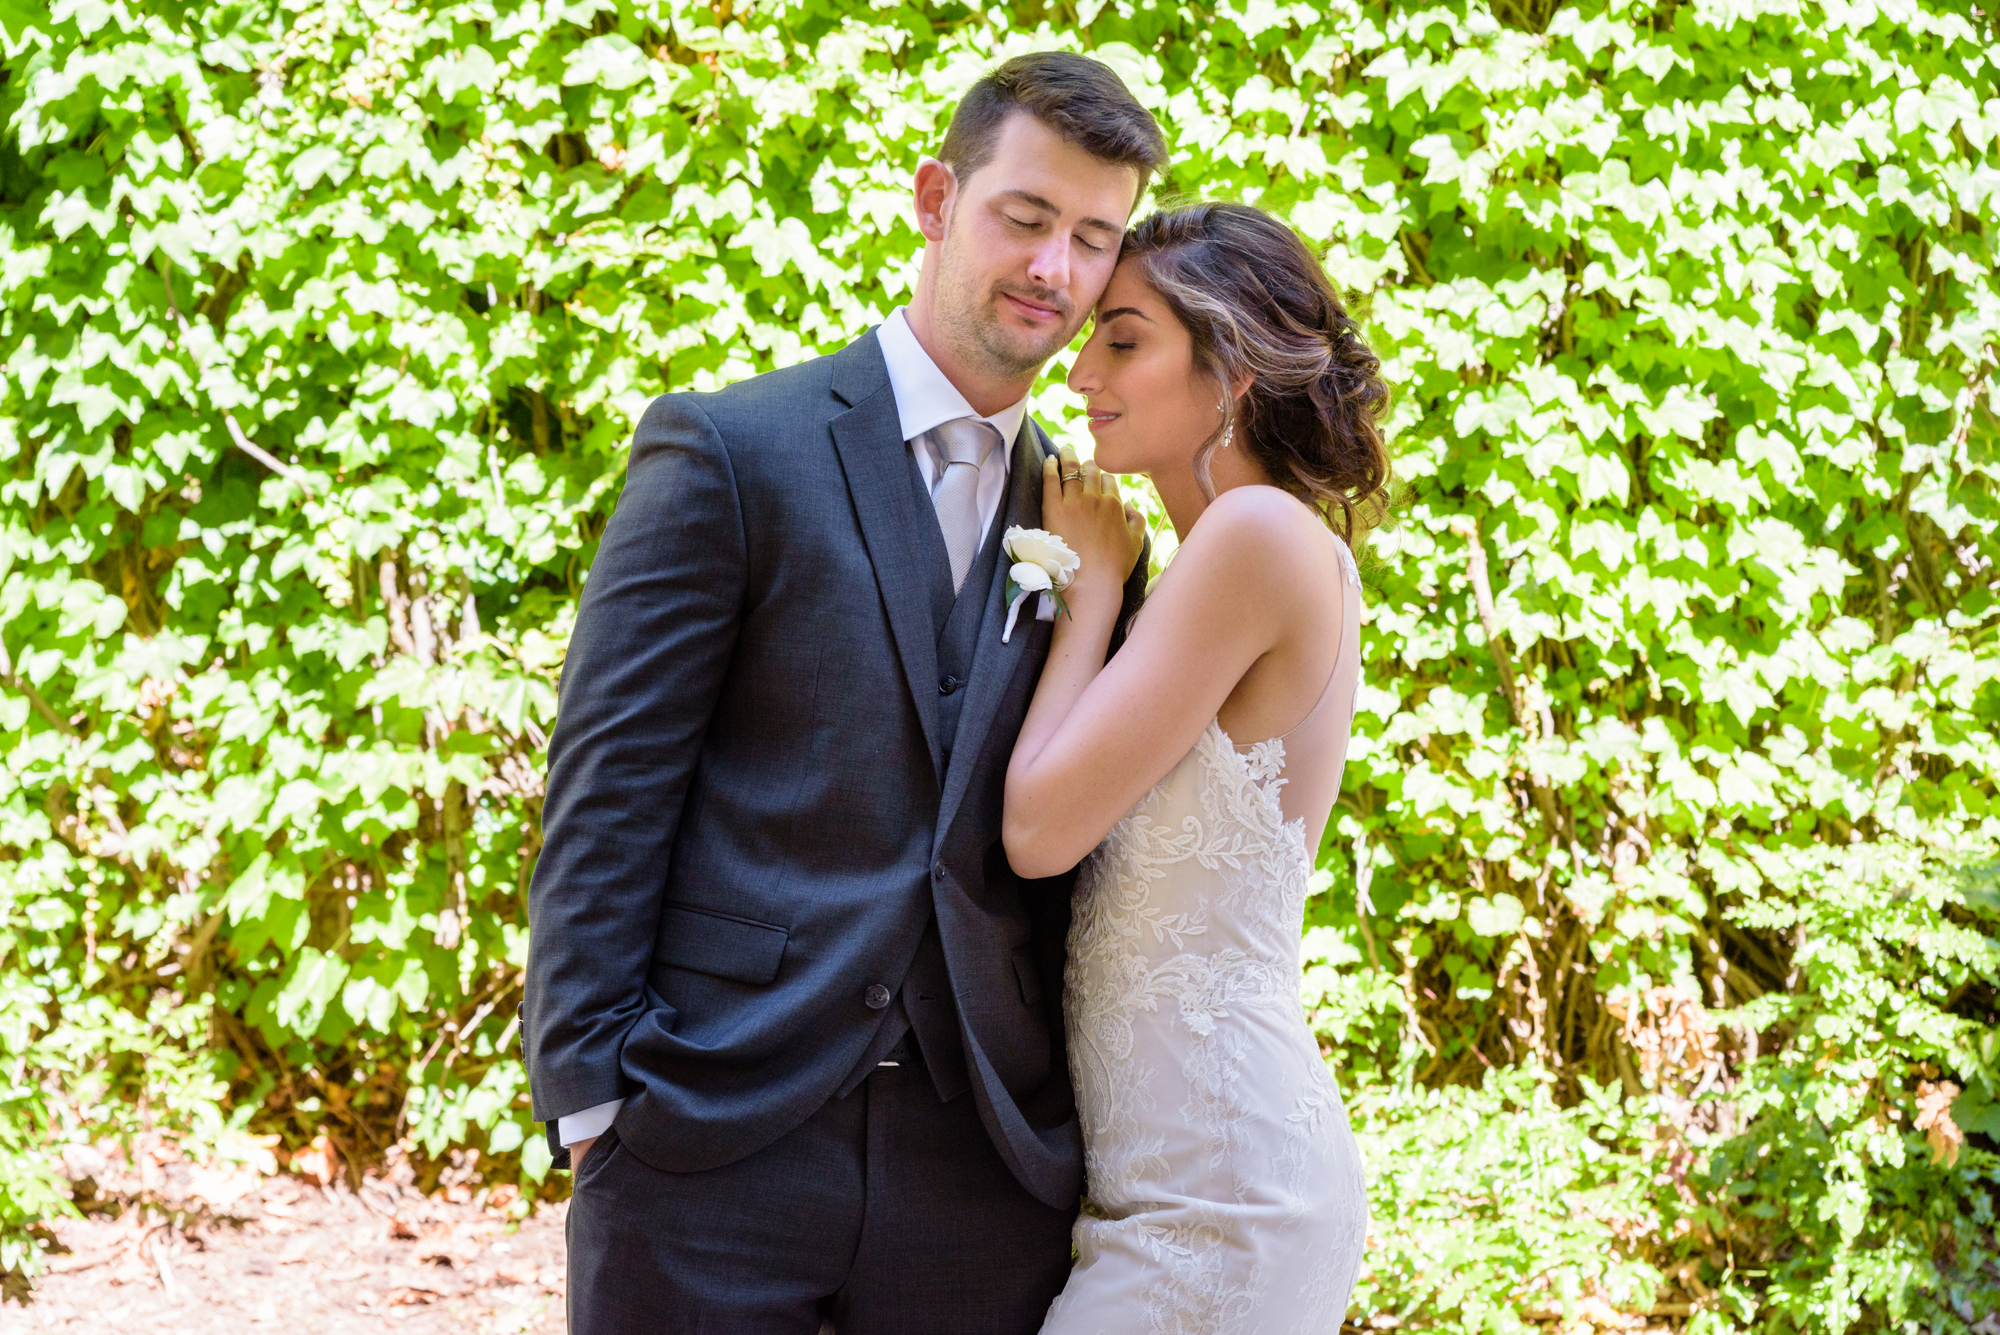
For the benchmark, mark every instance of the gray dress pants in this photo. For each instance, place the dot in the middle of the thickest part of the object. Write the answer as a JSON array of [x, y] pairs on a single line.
[[888, 1212]]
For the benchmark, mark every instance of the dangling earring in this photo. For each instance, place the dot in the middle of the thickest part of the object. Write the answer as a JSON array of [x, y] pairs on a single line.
[[1229, 428]]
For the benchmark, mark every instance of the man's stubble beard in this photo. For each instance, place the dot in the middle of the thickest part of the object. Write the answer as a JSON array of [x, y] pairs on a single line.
[[969, 320]]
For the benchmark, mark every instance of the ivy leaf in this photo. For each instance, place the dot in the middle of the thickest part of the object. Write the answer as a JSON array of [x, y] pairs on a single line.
[[610, 61], [311, 981]]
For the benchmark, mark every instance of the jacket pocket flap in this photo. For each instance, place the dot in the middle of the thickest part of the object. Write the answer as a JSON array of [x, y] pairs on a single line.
[[716, 943]]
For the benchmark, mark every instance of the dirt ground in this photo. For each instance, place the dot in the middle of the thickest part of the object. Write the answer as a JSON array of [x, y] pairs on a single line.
[[204, 1252]]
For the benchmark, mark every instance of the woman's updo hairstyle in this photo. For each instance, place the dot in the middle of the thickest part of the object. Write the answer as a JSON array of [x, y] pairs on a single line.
[[1258, 306]]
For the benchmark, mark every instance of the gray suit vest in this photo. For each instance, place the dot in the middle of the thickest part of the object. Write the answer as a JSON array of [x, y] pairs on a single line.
[[923, 1009]]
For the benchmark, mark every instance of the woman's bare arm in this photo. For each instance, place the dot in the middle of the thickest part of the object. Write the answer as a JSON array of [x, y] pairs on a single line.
[[1098, 736]]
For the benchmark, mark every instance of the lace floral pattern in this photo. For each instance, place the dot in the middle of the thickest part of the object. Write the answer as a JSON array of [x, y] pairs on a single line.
[[1225, 1188]]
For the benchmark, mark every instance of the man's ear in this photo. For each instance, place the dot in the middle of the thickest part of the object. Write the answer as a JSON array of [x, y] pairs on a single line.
[[936, 190]]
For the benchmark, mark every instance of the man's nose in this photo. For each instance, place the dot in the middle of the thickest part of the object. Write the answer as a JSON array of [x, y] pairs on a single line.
[[1049, 265]]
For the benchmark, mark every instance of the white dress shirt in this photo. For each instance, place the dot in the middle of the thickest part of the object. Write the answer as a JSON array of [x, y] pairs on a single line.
[[925, 400]]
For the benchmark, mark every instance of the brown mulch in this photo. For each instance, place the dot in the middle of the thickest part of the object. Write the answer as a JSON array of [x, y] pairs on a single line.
[[200, 1251]]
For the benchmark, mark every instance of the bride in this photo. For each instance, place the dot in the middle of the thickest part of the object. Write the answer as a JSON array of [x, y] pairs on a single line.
[[1193, 776]]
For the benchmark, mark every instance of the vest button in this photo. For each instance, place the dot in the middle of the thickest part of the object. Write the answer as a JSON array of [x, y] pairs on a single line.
[[877, 996], [947, 684]]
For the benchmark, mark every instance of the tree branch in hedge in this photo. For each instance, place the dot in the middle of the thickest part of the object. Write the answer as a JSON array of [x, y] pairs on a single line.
[[397, 606], [1496, 641], [21, 684], [1482, 598], [262, 455]]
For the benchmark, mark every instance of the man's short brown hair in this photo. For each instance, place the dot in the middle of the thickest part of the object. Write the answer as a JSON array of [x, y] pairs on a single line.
[[1077, 97]]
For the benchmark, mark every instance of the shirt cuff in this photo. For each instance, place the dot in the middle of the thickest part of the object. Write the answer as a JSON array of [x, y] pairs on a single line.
[[588, 1124]]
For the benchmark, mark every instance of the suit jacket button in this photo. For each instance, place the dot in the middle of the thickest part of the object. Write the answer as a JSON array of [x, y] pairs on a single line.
[[948, 684], [877, 996]]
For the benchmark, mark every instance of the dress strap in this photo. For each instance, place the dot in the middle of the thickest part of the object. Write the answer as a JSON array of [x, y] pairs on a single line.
[[1325, 694], [1353, 575]]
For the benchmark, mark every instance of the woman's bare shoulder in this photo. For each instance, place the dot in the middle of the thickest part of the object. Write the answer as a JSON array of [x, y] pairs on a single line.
[[1250, 564], [1261, 527]]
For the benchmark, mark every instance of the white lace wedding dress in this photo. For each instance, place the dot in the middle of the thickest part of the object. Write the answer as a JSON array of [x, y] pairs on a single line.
[[1225, 1191]]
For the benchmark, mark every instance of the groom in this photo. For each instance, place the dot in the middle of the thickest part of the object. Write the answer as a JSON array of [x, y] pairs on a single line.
[[792, 1014]]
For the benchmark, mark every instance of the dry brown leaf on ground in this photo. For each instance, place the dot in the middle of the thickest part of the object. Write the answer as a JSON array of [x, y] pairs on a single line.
[[1934, 1101], [409, 1227], [406, 1295], [318, 1161], [518, 1272]]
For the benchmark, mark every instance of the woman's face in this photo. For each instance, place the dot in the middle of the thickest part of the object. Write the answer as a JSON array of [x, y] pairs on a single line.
[[1149, 409]]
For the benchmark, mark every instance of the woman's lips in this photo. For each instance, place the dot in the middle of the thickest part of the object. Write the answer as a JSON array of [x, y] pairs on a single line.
[[1033, 310], [1103, 419]]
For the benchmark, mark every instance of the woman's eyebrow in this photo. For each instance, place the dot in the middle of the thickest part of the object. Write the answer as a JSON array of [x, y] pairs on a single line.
[[1124, 310]]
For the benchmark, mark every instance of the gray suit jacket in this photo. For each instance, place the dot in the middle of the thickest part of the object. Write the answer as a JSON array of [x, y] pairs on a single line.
[[750, 820]]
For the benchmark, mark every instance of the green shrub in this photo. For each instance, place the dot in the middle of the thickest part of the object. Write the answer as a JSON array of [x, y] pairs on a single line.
[[322, 329]]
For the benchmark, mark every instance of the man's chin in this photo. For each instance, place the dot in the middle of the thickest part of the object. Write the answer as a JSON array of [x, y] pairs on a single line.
[[1027, 351]]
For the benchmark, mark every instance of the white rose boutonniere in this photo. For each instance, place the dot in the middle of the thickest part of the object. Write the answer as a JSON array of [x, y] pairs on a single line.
[[1038, 562]]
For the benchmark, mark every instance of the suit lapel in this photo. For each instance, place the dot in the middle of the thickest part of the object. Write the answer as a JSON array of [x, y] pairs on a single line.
[[869, 437], [993, 663]]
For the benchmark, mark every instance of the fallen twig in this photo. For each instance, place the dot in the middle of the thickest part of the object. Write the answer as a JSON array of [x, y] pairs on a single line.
[[152, 1245], [77, 1262]]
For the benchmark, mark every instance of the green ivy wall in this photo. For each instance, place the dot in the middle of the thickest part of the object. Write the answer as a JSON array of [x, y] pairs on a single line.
[[1656, 946]]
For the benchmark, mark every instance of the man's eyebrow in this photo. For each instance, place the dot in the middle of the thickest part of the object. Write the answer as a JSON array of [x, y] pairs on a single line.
[[1124, 310], [1033, 200]]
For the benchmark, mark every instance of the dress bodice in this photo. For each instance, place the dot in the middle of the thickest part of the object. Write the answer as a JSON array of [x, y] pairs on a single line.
[[1204, 882]]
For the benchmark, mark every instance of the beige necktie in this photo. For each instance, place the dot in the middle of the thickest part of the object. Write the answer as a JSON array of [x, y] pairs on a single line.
[[962, 444]]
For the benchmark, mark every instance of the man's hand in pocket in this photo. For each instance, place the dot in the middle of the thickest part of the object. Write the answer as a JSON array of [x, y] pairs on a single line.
[[577, 1150]]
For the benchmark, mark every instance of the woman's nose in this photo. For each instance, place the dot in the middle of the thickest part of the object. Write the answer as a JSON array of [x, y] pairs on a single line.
[[1082, 375]]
